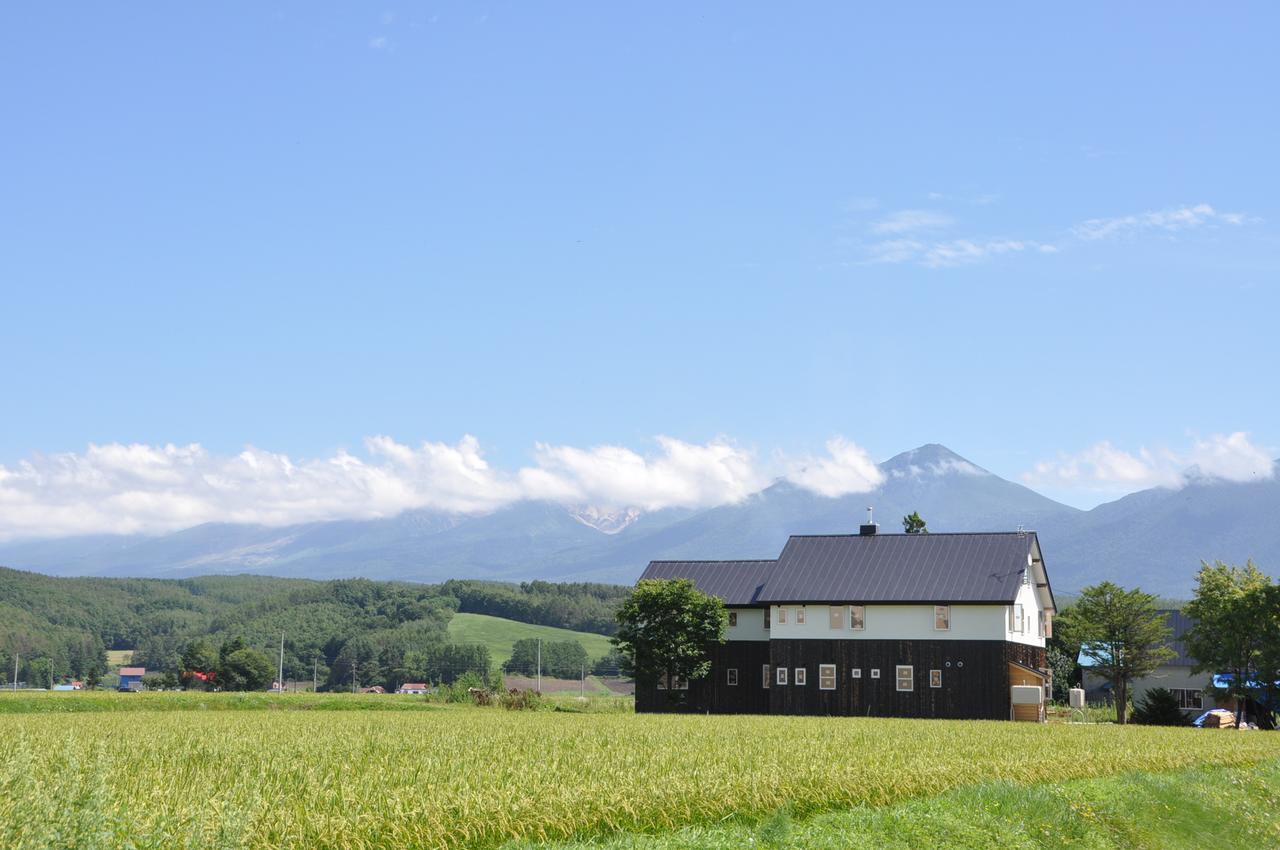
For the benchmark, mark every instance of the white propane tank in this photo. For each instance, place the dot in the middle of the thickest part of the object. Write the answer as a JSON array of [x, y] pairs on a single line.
[[1076, 697]]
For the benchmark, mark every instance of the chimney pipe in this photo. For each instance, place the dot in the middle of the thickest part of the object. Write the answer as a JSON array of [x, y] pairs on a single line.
[[869, 528]]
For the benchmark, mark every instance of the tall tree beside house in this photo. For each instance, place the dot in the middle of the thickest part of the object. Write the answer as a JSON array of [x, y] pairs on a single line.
[[913, 523], [1230, 610], [1269, 658], [664, 629], [1121, 633]]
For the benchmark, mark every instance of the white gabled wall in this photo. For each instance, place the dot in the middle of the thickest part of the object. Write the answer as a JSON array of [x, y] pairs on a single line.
[[895, 622], [750, 625], [1029, 633]]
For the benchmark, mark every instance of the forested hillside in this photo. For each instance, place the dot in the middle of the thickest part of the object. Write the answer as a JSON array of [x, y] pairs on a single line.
[[386, 630]]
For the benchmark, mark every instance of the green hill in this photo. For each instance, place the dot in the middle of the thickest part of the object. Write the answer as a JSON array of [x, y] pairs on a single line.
[[500, 635]]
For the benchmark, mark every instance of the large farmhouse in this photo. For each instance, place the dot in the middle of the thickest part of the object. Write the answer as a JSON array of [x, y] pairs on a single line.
[[887, 625]]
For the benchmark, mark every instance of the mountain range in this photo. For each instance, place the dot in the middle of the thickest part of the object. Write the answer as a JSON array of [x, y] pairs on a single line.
[[1153, 538]]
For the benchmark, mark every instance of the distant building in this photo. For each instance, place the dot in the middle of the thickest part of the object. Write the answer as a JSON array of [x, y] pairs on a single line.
[[376, 689], [1174, 674], [886, 625], [412, 688], [131, 678]]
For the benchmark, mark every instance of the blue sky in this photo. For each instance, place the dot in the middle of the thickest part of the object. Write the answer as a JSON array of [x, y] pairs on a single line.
[[1029, 234]]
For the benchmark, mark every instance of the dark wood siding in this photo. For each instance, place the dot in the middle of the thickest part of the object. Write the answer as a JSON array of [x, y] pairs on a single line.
[[975, 678], [713, 694]]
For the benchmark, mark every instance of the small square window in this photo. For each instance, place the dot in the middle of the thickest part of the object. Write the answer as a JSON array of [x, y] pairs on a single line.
[[826, 677], [766, 676], [731, 676], [800, 616], [782, 676], [906, 677], [942, 618], [935, 678], [837, 616], [801, 675], [875, 672], [857, 672], [857, 617], [782, 616], [733, 618]]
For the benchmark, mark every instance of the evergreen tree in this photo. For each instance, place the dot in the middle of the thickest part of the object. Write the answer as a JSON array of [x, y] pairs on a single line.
[[1121, 632], [912, 523]]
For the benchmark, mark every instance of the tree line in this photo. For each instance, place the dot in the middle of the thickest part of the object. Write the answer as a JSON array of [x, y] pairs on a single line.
[[385, 632]]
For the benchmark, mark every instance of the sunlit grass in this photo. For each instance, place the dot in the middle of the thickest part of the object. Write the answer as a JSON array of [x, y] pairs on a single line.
[[472, 777]]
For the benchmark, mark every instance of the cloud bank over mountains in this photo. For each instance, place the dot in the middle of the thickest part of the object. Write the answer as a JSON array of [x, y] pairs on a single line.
[[116, 488], [1102, 466], [123, 489]]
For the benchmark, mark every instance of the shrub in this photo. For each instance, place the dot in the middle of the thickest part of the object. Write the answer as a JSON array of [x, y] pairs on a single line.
[[1159, 707], [521, 699]]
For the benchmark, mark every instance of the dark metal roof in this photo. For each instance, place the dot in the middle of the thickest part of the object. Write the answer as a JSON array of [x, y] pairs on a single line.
[[1181, 624], [736, 582], [960, 568]]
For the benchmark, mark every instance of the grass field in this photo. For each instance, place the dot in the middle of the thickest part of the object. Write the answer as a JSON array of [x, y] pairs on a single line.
[[481, 777], [117, 658], [1178, 810], [500, 635]]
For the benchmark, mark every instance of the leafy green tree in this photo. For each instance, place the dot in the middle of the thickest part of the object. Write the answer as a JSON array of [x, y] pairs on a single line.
[[1230, 609], [241, 668], [1063, 667], [91, 679], [1269, 658], [524, 658], [665, 628], [1121, 632], [913, 523], [199, 665], [609, 664]]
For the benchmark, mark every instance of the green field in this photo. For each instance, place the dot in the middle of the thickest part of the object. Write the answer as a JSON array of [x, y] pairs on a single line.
[[117, 658], [468, 777], [500, 635]]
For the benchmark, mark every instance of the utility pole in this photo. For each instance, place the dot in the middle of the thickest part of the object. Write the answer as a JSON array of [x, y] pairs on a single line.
[[353, 675], [539, 665], [15, 670], [280, 679], [584, 680], [315, 663]]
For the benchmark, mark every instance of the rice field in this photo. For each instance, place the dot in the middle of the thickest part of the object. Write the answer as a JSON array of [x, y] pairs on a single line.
[[482, 777]]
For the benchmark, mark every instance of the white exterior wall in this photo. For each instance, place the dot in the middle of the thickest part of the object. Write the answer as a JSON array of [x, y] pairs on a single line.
[[750, 625], [1170, 676], [1030, 631], [895, 622]]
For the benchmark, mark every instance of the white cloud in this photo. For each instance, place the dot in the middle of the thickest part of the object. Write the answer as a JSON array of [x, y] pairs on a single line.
[[681, 475], [951, 253], [847, 468], [1103, 466], [379, 42], [1168, 220], [117, 488], [908, 221]]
